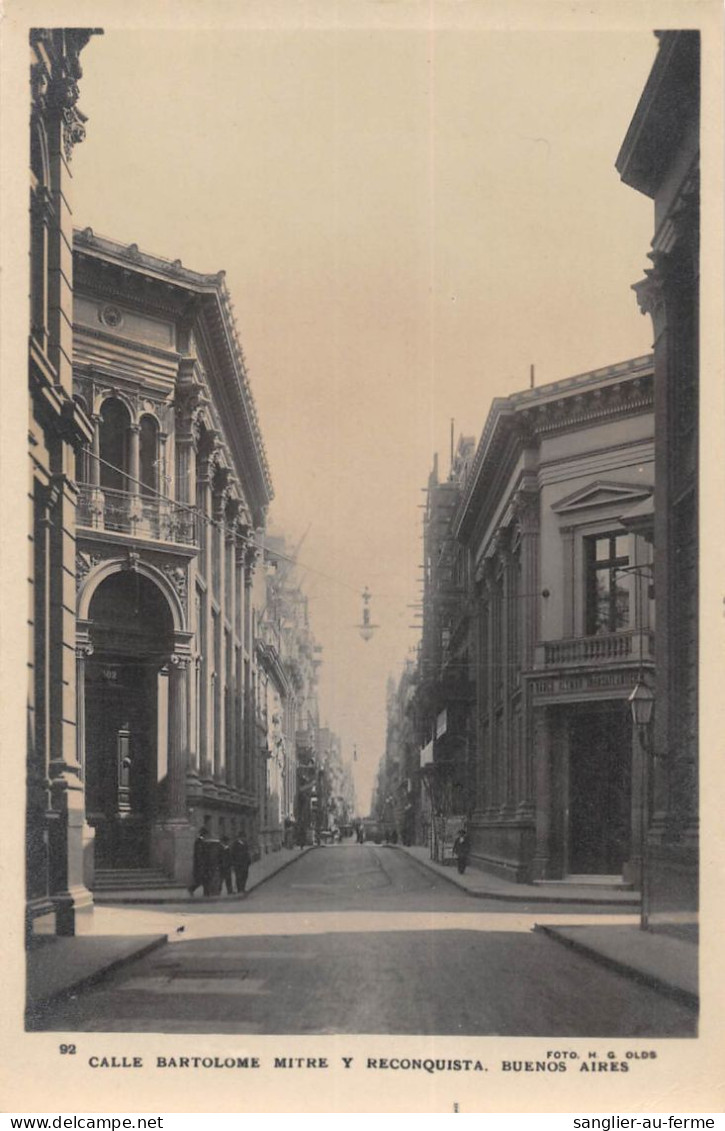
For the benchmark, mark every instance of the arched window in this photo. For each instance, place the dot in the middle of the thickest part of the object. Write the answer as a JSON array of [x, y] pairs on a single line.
[[114, 437], [149, 457]]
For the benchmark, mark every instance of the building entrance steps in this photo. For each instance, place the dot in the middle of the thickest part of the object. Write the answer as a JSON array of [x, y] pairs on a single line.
[[482, 885], [260, 871]]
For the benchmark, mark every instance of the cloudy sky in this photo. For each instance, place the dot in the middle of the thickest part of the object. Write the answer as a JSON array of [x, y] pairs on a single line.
[[410, 213]]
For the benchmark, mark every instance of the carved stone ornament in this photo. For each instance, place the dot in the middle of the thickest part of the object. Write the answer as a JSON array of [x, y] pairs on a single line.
[[84, 649], [526, 511], [83, 567], [180, 660], [177, 578], [110, 316], [84, 564], [39, 82], [650, 293], [74, 130]]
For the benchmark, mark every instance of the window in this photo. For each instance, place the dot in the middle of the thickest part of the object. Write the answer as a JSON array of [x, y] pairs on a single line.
[[114, 443], [608, 596], [149, 455]]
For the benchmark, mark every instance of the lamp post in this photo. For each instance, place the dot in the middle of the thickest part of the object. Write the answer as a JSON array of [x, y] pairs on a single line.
[[641, 705]]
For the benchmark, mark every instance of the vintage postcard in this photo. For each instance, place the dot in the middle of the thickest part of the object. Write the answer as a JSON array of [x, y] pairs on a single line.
[[362, 553]]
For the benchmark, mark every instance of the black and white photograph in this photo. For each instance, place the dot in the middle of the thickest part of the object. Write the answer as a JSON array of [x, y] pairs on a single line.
[[361, 569]]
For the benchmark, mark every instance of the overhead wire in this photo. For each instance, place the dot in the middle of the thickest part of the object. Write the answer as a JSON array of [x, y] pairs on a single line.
[[244, 540]]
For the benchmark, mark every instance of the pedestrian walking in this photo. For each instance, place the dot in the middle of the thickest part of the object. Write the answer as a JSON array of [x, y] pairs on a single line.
[[225, 866], [200, 871], [461, 849], [240, 860]]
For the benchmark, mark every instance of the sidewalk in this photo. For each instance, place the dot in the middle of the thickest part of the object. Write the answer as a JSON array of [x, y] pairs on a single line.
[[666, 964], [57, 967], [663, 962], [481, 885], [261, 871]]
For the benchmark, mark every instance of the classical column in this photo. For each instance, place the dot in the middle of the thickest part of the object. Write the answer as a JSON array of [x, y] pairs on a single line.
[[133, 485], [489, 752], [219, 534], [205, 706], [96, 502], [178, 736], [542, 770], [84, 649], [527, 506], [249, 705], [240, 611], [506, 753], [231, 583], [95, 471]]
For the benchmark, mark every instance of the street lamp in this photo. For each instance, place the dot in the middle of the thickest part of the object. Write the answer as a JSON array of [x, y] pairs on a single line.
[[366, 629], [641, 704]]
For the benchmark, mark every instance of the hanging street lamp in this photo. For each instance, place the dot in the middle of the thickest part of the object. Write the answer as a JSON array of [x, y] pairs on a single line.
[[366, 629]]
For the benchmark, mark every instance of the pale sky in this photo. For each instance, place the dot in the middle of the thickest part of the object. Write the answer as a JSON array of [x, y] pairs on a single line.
[[408, 219]]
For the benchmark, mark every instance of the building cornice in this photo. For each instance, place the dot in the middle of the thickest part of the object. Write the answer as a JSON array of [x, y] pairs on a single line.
[[521, 420], [663, 113]]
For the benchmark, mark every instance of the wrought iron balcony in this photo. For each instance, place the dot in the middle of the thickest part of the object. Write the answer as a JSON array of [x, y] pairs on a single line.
[[143, 516], [589, 651]]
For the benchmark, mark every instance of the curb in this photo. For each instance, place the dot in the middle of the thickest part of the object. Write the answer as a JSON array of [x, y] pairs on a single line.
[[40, 1003], [513, 897], [119, 899], [653, 981]]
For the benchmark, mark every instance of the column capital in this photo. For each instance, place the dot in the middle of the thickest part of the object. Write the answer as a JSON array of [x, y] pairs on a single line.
[[525, 507]]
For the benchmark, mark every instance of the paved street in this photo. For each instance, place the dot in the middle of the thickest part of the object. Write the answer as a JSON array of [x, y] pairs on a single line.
[[357, 939]]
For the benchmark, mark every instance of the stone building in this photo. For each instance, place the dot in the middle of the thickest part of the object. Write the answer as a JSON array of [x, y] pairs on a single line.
[[660, 158], [289, 667], [57, 429], [563, 619], [173, 489]]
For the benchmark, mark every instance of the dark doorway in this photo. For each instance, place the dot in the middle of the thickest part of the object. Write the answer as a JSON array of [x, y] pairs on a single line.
[[132, 634], [600, 773]]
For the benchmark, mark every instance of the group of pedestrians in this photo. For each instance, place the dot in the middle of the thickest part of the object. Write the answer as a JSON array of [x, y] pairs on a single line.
[[219, 862]]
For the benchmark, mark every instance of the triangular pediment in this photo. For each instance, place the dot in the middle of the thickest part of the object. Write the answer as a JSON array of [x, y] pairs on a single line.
[[603, 494]]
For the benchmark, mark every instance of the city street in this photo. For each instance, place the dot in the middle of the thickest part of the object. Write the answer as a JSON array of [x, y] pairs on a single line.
[[353, 939]]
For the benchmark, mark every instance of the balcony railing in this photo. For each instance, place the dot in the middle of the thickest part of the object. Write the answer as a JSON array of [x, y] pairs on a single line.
[[144, 516], [615, 647]]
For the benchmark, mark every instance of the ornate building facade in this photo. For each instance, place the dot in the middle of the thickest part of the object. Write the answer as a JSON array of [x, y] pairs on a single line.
[[563, 620], [57, 429], [172, 496], [660, 157]]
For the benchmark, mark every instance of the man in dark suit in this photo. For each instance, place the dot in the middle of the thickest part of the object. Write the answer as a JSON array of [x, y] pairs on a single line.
[[200, 877], [240, 861]]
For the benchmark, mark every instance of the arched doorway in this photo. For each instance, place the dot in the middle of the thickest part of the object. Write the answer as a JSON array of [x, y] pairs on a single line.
[[131, 630]]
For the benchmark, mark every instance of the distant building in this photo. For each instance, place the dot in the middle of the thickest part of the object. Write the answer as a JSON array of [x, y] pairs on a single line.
[[289, 667], [660, 157], [172, 496], [398, 797], [563, 620], [445, 691], [58, 428]]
